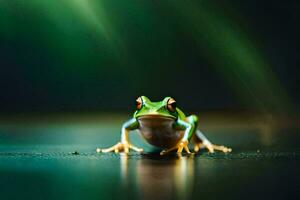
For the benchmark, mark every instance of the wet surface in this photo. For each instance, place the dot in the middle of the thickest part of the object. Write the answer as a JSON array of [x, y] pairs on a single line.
[[57, 160]]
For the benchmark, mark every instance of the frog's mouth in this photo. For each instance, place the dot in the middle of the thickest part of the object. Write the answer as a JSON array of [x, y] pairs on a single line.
[[159, 117]]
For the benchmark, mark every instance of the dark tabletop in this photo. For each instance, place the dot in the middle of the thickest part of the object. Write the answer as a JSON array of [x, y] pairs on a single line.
[[55, 158]]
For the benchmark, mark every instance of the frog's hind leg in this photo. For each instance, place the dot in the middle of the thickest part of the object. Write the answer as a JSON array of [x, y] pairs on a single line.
[[202, 142]]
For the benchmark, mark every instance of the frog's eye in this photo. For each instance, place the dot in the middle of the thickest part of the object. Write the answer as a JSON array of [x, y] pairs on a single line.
[[139, 103], [171, 105]]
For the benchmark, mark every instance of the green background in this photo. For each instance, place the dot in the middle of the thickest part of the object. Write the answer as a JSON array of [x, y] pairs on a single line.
[[90, 55]]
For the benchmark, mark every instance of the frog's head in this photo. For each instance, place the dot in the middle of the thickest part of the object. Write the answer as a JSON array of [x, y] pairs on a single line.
[[165, 108]]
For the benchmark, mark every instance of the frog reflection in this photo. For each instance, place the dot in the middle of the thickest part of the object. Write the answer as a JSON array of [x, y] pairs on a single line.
[[172, 178]]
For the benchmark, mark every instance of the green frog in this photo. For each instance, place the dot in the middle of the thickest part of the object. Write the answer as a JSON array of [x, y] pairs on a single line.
[[165, 126]]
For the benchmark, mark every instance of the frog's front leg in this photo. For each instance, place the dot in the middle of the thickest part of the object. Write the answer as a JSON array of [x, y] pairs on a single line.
[[183, 144], [125, 144]]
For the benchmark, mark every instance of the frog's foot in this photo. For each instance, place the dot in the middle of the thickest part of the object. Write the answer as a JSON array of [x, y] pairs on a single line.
[[198, 146], [120, 147], [180, 146], [211, 147]]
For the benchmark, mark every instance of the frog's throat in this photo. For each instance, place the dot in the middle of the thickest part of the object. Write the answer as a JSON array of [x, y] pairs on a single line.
[[158, 130]]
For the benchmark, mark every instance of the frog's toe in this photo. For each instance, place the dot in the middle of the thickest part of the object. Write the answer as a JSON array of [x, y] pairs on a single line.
[[120, 147], [136, 148], [212, 147], [222, 148], [183, 145], [116, 148], [180, 147], [98, 150], [164, 152], [197, 147]]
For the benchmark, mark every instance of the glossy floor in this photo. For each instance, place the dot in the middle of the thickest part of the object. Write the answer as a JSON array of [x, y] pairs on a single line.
[[37, 161]]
